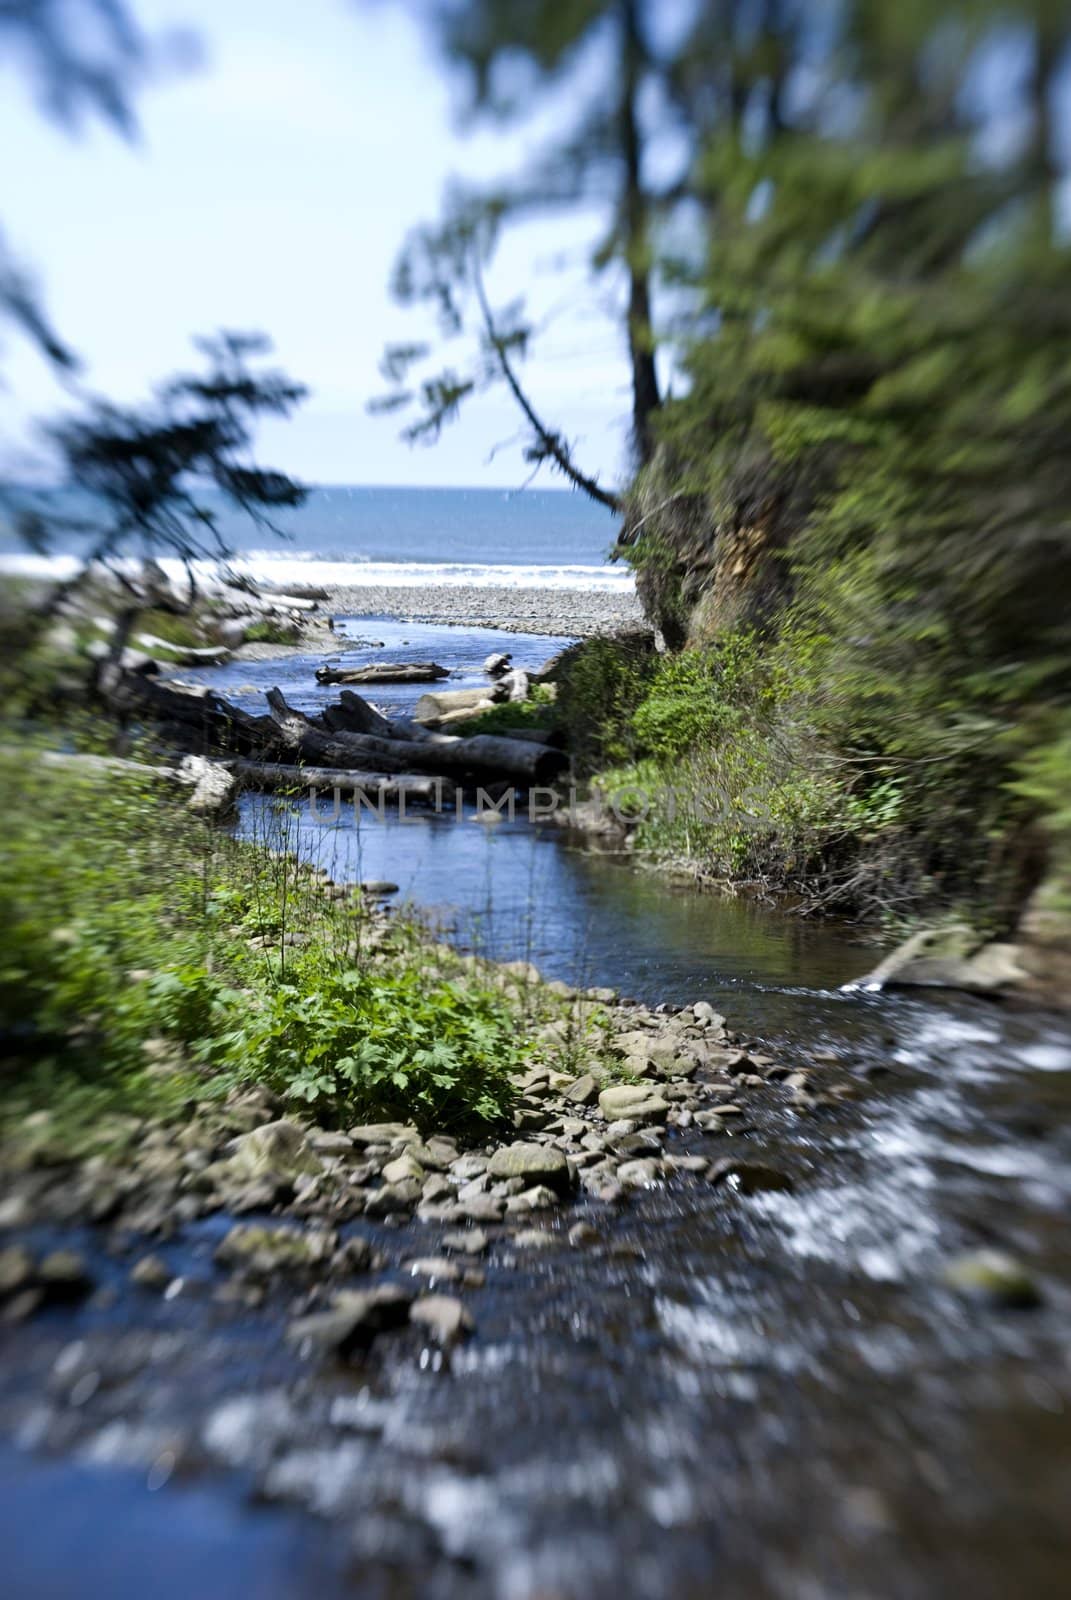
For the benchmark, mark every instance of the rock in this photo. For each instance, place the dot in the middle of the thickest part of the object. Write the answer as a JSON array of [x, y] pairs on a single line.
[[393, 1197], [16, 1270], [402, 1168], [277, 1150], [355, 1319], [384, 1133], [538, 1198], [434, 1267], [534, 1239], [150, 1273], [262, 1251], [331, 1144], [640, 1174], [356, 1254], [534, 1163], [632, 1102], [952, 957], [582, 1234], [497, 663], [583, 1091], [63, 1275], [471, 1241], [468, 1166], [748, 1177], [445, 1317], [994, 1277], [704, 1013], [481, 1208], [212, 787], [378, 888]]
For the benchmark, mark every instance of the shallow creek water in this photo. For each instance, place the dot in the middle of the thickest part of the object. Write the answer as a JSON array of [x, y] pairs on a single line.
[[766, 1396]]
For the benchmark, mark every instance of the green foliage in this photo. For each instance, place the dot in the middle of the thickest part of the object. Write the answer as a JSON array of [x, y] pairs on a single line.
[[538, 712], [600, 684], [131, 931], [364, 1043]]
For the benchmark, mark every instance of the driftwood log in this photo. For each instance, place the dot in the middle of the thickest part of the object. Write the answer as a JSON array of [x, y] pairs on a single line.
[[384, 672], [417, 788], [483, 755], [204, 720]]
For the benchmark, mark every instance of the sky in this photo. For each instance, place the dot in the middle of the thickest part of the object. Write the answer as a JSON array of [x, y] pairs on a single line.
[[271, 188]]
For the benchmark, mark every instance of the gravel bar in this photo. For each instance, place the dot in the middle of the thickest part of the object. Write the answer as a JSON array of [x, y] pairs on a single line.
[[575, 613]]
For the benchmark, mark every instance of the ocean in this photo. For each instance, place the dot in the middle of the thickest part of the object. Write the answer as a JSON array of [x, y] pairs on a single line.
[[408, 538]]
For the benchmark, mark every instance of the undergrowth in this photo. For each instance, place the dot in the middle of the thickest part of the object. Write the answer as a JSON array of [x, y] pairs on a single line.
[[147, 960]]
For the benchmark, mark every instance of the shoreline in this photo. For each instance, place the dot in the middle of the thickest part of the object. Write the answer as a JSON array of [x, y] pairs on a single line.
[[575, 613]]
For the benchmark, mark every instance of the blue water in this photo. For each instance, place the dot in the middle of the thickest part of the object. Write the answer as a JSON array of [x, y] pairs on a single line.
[[394, 535]]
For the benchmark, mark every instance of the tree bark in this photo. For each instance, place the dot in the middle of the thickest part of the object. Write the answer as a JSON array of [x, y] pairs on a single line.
[[646, 398]]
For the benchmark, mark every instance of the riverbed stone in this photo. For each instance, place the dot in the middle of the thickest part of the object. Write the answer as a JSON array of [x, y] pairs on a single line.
[[635, 1103], [642, 1173], [534, 1163], [748, 1177], [263, 1251], [150, 1273], [393, 1197], [583, 1091], [468, 1241], [387, 1133], [582, 1235], [534, 1239], [993, 1277], [402, 1168], [64, 1275], [356, 1318], [438, 1268], [444, 1316], [16, 1270], [275, 1150], [469, 1166]]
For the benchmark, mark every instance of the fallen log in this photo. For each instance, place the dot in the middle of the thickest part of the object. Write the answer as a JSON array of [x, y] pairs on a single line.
[[182, 655], [440, 703], [384, 672], [417, 788], [196, 710], [484, 754], [353, 714], [210, 783]]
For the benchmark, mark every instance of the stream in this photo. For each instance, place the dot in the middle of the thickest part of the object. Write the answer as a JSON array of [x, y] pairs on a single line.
[[765, 1396]]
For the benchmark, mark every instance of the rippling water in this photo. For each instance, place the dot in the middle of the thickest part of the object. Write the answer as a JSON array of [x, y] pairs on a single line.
[[773, 1396]]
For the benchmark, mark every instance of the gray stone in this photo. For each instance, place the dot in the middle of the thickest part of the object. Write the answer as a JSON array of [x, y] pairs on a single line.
[[993, 1277], [583, 1091], [16, 1270], [632, 1102], [393, 1197], [582, 1234], [438, 1268], [534, 1163], [748, 1177], [470, 1241], [640, 1174], [150, 1273], [383, 1133], [444, 1316], [63, 1275], [534, 1239], [263, 1251], [355, 1319], [275, 1150], [402, 1168]]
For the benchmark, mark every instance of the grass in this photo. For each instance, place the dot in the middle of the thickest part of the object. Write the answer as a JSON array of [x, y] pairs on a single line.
[[147, 961]]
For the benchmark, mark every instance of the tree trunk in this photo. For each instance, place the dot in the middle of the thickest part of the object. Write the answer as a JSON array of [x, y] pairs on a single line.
[[635, 218]]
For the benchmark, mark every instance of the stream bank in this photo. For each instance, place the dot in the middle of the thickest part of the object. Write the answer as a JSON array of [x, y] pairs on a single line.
[[760, 1393]]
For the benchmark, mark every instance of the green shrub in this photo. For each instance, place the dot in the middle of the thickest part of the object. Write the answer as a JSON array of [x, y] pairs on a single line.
[[123, 920]]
